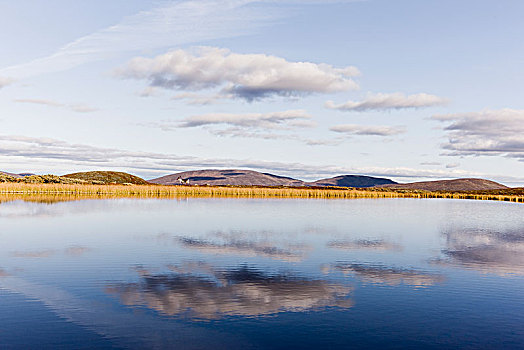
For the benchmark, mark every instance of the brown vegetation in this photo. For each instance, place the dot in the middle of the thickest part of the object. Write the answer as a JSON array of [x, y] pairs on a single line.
[[10, 191], [107, 177]]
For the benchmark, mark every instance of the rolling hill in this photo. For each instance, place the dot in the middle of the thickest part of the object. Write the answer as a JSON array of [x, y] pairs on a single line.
[[352, 181], [232, 177], [467, 184], [107, 177], [9, 174], [236, 177]]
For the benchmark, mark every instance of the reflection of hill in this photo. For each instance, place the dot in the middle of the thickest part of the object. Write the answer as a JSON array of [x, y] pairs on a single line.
[[243, 291], [387, 275], [487, 251]]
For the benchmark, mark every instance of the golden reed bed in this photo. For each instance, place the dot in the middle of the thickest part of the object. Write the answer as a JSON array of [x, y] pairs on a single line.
[[64, 192]]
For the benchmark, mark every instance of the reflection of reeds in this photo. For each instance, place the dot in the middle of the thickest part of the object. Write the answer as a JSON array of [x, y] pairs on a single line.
[[59, 192]]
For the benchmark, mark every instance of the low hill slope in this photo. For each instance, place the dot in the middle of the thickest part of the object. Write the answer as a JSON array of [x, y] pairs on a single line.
[[451, 185], [107, 177], [41, 179], [232, 177], [352, 181], [9, 174]]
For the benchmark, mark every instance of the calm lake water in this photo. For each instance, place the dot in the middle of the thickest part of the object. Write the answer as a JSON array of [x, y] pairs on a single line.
[[258, 273]]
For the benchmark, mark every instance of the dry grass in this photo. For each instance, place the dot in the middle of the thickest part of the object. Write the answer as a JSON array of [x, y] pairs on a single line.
[[59, 192]]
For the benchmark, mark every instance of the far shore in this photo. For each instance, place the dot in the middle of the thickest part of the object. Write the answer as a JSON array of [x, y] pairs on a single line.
[[25, 191]]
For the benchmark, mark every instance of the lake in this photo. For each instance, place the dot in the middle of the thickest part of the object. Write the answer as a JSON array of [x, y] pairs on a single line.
[[261, 273]]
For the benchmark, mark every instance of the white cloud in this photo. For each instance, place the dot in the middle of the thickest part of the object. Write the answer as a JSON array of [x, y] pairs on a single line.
[[247, 76], [371, 130], [79, 108], [452, 165], [393, 101], [485, 133]]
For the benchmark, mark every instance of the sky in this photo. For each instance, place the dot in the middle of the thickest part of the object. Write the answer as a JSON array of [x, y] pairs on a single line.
[[410, 90]]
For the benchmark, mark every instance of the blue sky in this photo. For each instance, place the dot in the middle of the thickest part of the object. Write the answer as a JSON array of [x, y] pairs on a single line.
[[409, 90]]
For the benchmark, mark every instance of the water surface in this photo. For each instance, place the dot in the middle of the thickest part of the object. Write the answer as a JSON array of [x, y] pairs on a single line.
[[262, 273]]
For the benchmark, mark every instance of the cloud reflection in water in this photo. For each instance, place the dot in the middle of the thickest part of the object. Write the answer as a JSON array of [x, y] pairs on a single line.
[[487, 251], [244, 248], [368, 244], [243, 291], [34, 254], [379, 274]]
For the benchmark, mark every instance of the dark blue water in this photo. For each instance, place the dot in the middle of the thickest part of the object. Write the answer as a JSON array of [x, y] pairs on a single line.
[[258, 273]]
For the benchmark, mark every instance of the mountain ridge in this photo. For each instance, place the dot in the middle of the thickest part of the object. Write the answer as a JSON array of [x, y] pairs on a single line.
[[240, 177], [360, 181], [463, 184]]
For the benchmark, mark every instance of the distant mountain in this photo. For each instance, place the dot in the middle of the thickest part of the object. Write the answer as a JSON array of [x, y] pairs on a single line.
[[232, 177], [451, 185], [352, 181], [236, 177], [107, 177]]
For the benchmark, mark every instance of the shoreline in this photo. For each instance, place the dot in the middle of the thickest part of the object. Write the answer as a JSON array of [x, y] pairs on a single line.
[[161, 191]]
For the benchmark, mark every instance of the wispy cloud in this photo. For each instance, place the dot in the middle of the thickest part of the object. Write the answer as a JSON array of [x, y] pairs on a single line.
[[364, 244], [198, 99], [243, 248], [79, 108], [393, 101], [5, 81], [82, 108], [247, 76], [148, 92], [39, 102], [368, 130], [169, 24], [274, 120], [33, 254], [485, 133], [55, 153], [431, 163], [267, 126]]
